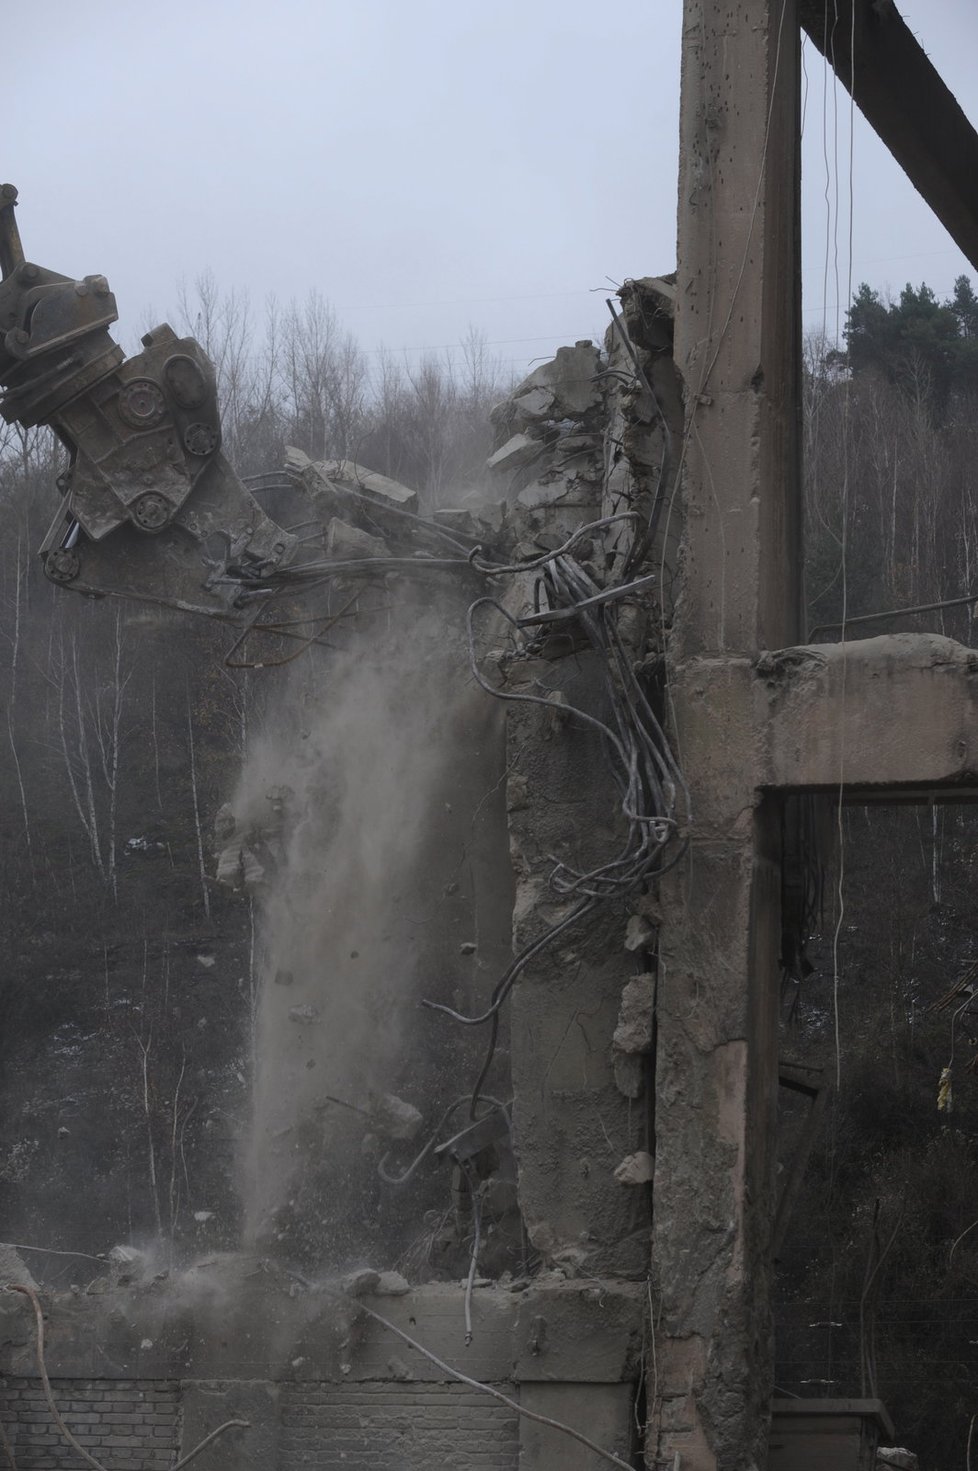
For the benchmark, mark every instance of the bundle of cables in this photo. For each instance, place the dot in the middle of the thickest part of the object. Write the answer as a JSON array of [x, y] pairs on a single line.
[[652, 795]]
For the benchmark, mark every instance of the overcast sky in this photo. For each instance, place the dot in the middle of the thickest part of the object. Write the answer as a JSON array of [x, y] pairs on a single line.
[[428, 165]]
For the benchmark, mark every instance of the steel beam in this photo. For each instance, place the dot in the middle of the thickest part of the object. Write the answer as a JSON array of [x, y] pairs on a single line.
[[901, 94]]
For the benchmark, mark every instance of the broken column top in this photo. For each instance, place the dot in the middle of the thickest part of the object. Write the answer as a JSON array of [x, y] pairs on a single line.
[[564, 388]]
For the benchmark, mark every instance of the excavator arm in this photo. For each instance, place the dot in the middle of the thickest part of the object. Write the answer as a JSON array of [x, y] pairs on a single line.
[[150, 507]]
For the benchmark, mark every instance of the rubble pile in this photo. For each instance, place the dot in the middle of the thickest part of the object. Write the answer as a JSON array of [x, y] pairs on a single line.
[[593, 431]]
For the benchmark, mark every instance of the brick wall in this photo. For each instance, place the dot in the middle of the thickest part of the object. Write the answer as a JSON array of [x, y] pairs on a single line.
[[121, 1422], [396, 1427], [368, 1426]]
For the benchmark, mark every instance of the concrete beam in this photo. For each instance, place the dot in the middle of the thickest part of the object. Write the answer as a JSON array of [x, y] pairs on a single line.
[[312, 1370], [902, 96], [888, 717], [552, 1331], [884, 714]]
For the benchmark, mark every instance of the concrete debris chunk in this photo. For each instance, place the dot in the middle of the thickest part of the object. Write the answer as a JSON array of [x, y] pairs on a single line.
[[237, 864], [361, 1283], [371, 482], [125, 1256], [542, 493], [517, 792], [456, 518], [629, 1072], [393, 1118], [391, 1284], [537, 403], [634, 1030], [304, 1013], [571, 378], [345, 543], [129, 1264], [569, 446], [638, 932], [516, 452], [898, 1457], [635, 1169], [12, 1269]]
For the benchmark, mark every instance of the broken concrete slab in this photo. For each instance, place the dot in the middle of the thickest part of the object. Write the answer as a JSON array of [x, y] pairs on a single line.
[[519, 450], [345, 543], [571, 378], [537, 403], [371, 482], [334, 485]]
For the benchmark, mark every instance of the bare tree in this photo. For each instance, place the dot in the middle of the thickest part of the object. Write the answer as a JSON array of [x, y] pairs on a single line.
[[325, 380]]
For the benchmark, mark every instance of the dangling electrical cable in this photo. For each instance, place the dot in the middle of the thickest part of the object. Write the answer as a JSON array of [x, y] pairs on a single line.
[[846, 428]]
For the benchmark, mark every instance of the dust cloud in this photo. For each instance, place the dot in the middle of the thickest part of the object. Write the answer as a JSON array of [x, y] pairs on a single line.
[[362, 855]]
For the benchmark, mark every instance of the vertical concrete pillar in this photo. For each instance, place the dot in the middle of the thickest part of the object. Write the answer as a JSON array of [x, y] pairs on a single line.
[[738, 350], [737, 325]]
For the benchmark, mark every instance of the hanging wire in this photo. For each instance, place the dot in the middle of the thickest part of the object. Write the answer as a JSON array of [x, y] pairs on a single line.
[[652, 796]]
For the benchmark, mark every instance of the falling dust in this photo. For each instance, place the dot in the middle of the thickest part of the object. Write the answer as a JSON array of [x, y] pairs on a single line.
[[380, 876]]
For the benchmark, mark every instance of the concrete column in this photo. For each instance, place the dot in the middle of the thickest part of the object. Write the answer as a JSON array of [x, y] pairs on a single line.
[[737, 325], [737, 348]]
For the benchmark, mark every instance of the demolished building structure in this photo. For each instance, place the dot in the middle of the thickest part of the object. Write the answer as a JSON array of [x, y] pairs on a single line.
[[628, 1318]]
